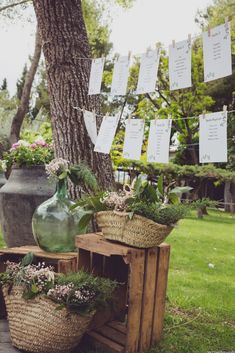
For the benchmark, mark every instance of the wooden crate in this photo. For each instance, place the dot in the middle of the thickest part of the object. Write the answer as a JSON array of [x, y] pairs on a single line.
[[62, 262], [143, 273]]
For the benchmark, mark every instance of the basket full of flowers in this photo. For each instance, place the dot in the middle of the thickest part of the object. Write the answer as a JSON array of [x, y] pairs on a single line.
[[49, 312]]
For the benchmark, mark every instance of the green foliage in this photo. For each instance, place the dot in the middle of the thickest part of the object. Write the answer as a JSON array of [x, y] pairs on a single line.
[[24, 154], [168, 215], [44, 132], [20, 83], [203, 203], [81, 173], [102, 287]]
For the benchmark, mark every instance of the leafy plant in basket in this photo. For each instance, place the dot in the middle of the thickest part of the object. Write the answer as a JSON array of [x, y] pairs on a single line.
[[140, 215], [49, 312]]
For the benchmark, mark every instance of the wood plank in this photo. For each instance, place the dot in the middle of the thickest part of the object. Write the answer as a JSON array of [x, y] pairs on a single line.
[[23, 250], [96, 243], [97, 264], [67, 266], [160, 292], [84, 260], [136, 281], [148, 298], [119, 326], [104, 343], [113, 334]]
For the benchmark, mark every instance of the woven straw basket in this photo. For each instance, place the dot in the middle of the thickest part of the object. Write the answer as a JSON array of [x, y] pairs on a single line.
[[139, 231], [36, 326]]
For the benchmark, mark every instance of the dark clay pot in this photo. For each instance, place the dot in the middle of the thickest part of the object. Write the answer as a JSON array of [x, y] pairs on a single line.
[[24, 191]]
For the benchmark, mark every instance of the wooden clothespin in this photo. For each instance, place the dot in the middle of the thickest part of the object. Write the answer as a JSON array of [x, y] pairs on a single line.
[[225, 110], [204, 114], [226, 22], [129, 55], [173, 43], [209, 31], [189, 38], [148, 50]]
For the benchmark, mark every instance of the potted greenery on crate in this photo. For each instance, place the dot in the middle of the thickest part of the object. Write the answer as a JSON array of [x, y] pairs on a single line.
[[49, 312], [141, 215]]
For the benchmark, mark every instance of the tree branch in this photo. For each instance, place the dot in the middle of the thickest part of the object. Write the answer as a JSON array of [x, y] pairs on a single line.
[[14, 5]]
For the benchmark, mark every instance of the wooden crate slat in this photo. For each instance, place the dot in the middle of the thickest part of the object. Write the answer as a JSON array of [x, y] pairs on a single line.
[[104, 343], [160, 293], [97, 243], [136, 281], [23, 250], [67, 266], [113, 334], [119, 326], [84, 260], [148, 298], [97, 264]]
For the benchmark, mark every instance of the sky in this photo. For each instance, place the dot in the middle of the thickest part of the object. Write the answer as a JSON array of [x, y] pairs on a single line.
[[147, 22]]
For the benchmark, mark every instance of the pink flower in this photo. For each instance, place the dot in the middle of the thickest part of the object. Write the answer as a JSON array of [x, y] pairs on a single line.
[[41, 142], [33, 145], [15, 146]]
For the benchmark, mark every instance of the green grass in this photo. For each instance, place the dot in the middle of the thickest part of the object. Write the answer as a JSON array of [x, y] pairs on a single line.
[[200, 313]]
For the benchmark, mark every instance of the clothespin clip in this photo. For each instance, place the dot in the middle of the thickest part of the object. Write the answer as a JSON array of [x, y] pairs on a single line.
[[225, 110], [209, 31], [173, 43], [94, 113], [189, 38], [117, 56], [129, 118], [129, 55], [82, 110], [148, 50], [204, 114], [158, 47], [226, 22]]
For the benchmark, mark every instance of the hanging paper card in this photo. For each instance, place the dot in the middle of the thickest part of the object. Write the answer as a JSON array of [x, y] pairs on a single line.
[[148, 72], [90, 123], [159, 141], [180, 57], [217, 52], [96, 74], [106, 134], [120, 76], [133, 139], [213, 137]]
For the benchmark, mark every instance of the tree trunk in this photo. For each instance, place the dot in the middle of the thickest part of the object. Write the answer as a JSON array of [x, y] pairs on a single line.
[[229, 196], [65, 41], [24, 101]]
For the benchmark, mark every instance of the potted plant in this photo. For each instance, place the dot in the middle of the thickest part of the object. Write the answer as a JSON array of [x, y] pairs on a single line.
[[26, 188], [49, 312], [140, 215], [54, 224]]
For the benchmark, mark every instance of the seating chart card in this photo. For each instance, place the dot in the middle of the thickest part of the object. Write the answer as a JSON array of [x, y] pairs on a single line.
[[217, 52], [120, 76], [180, 62], [133, 139], [97, 68], [90, 123], [213, 137], [106, 134], [159, 141], [148, 71]]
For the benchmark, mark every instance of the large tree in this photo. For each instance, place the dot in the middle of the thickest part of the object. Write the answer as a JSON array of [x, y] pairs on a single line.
[[66, 48]]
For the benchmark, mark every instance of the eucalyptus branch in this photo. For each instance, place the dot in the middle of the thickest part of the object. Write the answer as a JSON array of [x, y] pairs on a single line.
[[14, 5]]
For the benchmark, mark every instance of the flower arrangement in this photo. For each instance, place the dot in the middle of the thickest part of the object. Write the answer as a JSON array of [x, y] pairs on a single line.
[[80, 292], [60, 170], [23, 153], [156, 202]]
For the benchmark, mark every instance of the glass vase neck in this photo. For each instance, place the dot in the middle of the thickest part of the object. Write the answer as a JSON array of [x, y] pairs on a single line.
[[62, 189]]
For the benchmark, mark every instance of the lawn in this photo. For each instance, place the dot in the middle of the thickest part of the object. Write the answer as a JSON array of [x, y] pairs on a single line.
[[200, 315]]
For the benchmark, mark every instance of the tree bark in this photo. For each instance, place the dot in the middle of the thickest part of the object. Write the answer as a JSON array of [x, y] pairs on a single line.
[[65, 41], [24, 101], [229, 196]]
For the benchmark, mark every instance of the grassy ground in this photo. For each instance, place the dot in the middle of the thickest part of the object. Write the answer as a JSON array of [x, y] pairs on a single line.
[[200, 314], [201, 300]]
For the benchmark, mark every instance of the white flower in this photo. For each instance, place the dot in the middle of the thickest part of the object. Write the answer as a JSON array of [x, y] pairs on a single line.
[[211, 265], [56, 167]]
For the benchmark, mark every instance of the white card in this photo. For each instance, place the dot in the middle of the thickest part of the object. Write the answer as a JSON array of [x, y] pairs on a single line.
[[120, 76], [213, 137], [106, 134], [159, 141], [97, 68], [217, 53], [90, 123], [148, 72], [133, 139], [180, 62]]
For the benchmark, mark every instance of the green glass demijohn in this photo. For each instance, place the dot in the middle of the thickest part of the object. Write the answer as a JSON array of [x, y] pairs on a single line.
[[54, 224]]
